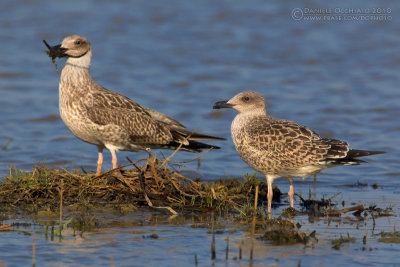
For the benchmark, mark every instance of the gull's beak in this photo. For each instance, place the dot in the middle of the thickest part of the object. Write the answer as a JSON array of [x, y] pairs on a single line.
[[222, 104], [55, 51]]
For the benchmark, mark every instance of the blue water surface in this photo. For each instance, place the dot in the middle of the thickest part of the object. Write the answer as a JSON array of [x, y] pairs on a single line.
[[339, 77]]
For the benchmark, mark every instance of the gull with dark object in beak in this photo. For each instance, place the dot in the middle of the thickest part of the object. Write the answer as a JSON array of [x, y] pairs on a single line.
[[110, 120]]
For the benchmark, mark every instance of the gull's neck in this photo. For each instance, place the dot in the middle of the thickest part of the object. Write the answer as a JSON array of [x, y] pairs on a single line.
[[76, 70], [253, 112], [243, 117]]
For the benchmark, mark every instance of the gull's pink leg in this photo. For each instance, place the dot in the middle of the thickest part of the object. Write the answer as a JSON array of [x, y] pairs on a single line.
[[291, 192], [270, 193], [99, 160], [114, 160]]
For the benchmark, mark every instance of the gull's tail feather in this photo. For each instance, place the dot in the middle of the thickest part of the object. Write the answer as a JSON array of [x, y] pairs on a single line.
[[352, 157], [356, 153], [191, 146], [197, 136]]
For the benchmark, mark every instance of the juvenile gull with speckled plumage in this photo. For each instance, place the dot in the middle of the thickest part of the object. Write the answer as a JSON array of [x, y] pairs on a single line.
[[281, 148], [107, 119]]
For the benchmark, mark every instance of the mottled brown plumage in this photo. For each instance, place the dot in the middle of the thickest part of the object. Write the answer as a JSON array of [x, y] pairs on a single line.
[[281, 148], [107, 119]]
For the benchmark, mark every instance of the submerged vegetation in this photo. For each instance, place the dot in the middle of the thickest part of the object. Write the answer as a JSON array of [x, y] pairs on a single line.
[[390, 237], [283, 232], [337, 243]]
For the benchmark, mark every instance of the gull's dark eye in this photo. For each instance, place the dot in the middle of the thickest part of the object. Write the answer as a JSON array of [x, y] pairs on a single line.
[[78, 42], [245, 98]]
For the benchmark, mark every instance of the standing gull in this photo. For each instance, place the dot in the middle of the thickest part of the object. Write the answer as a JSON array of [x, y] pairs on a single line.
[[107, 119], [281, 148]]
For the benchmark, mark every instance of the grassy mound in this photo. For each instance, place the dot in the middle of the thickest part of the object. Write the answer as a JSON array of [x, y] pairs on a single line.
[[147, 182]]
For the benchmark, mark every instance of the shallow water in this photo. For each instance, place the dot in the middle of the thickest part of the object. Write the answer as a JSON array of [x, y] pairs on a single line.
[[126, 240], [338, 77]]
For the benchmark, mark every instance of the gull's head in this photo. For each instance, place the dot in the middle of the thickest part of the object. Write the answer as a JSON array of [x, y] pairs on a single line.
[[244, 102], [74, 46]]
